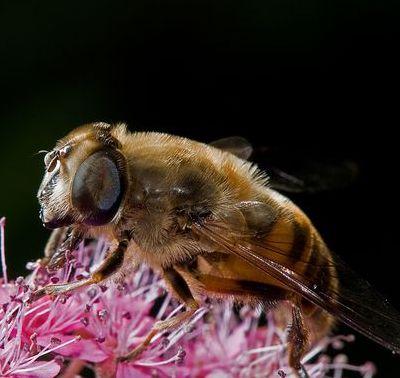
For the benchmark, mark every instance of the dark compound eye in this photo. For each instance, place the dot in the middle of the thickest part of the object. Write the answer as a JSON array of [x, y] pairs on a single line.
[[98, 187]]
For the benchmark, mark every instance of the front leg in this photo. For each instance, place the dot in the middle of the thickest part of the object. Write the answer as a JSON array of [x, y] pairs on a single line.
[[73, 238], [62, 240], [109, 266], [182, 291], [57, 237]]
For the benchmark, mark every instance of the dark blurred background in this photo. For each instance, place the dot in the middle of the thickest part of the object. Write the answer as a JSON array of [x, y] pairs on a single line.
[[311, 79]]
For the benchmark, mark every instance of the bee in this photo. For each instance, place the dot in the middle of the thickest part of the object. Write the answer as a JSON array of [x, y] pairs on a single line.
[[207, 220]]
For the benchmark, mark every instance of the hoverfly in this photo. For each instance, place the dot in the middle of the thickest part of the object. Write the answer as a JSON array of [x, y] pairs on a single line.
[[208, 221]]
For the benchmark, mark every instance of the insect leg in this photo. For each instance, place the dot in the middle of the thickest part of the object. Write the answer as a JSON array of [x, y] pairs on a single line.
[[182, 290], [298, 340], [56, 238], [71, 241], [108, 267]]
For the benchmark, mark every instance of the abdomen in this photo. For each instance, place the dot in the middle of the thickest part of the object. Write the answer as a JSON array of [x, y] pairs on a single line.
[[291, 241]]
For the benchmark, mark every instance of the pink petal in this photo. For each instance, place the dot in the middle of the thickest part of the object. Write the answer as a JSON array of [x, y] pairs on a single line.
[[91, 351], [237, 341], [39, 370], [4, 294], [88, 350], [218, 374], [128, 371]]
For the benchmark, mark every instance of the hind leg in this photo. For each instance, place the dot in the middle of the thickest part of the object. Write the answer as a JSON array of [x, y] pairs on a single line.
[[298, 339], [182, 291]]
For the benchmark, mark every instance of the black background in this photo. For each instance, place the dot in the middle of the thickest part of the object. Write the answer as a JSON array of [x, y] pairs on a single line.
[[311, 78]]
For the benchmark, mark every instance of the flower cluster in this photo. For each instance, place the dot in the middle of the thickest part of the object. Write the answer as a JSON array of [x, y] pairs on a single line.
[[91, 329]]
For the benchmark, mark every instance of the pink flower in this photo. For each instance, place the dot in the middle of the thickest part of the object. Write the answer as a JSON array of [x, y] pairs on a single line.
[[96, 326], [20, 354]]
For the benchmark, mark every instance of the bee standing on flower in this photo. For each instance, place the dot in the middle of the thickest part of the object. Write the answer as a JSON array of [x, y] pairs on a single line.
[[204, 217]]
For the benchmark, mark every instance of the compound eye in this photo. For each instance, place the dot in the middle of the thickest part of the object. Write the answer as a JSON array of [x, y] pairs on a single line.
[[98, 188]]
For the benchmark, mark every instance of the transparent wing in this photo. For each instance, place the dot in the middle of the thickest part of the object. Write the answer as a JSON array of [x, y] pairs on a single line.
[[308, 172], [356, 303], [236, 145], [300, 175], [314, 177]]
